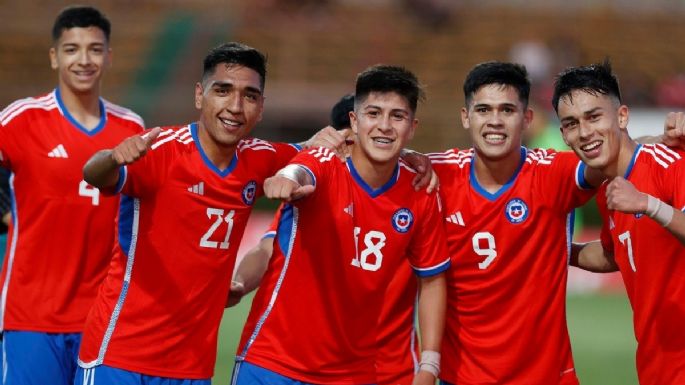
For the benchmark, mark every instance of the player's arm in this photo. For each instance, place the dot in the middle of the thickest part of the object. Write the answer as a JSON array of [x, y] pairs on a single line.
[[674, 132], [292, 182], [102, 169], [432, 304], [591, 256], [332, 139], [250, 270], [425, 176], [624, 197]]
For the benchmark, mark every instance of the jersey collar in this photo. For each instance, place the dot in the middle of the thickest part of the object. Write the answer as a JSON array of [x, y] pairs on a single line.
[[632, 161], [373, 193], [205, 158], [74, 122], [493, 196]]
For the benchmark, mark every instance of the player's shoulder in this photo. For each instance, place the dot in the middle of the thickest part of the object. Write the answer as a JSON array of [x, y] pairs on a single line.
[[451, 161], [45, 102], [255, 145], [122, 113], [171, 137], [661, 156]]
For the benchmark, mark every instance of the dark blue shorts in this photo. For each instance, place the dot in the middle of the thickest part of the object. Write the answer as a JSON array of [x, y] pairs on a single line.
[[35, 358], [107, 375]]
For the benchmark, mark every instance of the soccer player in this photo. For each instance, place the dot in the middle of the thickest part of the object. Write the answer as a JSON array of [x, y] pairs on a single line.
[[644, 229], [62, 228], [509, 221], [397, 355], [315, 316]]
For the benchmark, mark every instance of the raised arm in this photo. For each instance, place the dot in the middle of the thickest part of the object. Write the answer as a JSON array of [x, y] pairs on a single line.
[[102, 169], [292, 182], [432, 304], [624, 197]]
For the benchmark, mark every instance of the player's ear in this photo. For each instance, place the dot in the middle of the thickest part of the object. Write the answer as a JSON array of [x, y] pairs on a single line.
[[623, 117], [527, 117], [53, 58], [353, 121], [198, 95], [465, 118]]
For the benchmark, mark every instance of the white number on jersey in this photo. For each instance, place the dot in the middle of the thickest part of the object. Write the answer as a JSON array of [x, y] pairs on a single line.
[[88, 191], [628, 243], [489, 251], [220, 218], [374, 242]]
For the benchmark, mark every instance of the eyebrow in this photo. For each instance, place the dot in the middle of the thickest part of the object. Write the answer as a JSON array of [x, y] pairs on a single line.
[[372, 106], [510, 105], [222, 84]]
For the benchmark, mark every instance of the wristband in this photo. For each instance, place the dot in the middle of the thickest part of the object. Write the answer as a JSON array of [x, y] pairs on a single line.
[[661, 212], [430, 362], [295, 173]]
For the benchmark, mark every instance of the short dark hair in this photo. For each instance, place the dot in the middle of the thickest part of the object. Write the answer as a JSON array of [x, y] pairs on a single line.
[[385, 78], [502, 73], [80, 17], [595, 79], [235, 54], [340, 114]]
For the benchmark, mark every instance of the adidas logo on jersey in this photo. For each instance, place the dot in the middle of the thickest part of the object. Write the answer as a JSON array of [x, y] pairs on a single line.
[[456, 218], [58, 152], [349, 209], [197, 188]]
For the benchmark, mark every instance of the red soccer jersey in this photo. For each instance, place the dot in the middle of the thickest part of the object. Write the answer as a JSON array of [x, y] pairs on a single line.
[[506, 313], [397, 356], [62, 230], [652, 263], [180, 225], [315, 315]]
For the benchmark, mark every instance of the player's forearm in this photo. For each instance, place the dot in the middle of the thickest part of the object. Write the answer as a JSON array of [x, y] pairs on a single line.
[[592, 257], [101, 170], [432, 304], [677, 225], [254, 264]]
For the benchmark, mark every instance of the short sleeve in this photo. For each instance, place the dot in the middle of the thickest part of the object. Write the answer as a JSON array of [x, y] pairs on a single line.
[[562, 178], [428, 254]]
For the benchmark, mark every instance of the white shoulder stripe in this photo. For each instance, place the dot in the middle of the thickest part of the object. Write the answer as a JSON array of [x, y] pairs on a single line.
[[170, 138], [30, 100], [123, 113], [8, 118]]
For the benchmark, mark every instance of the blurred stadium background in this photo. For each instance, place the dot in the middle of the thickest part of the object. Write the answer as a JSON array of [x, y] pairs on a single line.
[[316, 47]]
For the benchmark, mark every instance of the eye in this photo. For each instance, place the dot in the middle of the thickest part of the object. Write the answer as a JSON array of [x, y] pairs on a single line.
[[70, 50], [569, 125], [252, 97], [399, 116], [481, 110], [508, 110], [594, 117], [97, 50], [372, 114]]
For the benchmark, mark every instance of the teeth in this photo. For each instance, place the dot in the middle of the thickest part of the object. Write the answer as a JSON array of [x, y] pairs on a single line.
[[591, 146], [495, 136], [383, 140], [229, 122]]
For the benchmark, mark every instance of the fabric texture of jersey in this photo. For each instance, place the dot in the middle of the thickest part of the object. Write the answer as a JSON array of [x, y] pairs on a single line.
[[315, 316], [397, 358], [652, 264], [506, 312], [62, 231], [180, 225]]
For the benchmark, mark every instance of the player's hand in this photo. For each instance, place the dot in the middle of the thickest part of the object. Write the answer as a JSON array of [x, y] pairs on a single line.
[[134, 147], [425, 175], [423, 378], [235, 294], [279, 187], [332, 139], [624, 197], [674, 130]]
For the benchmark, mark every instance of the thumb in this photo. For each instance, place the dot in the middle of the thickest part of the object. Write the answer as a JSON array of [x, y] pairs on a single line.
[[151, 135]]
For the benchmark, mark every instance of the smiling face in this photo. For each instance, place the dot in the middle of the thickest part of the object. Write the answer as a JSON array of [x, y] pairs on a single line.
[[230, 103], [496, 118], [594, 126], [80, 56], [383, 122]]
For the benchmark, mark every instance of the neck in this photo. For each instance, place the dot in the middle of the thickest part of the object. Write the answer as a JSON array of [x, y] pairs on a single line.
[[492, 174], [220, 155], [622, 162], [84, 107], [374, 174]]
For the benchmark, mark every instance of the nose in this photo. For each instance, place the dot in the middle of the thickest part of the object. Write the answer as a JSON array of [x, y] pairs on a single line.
[[385, 124], [234, 103], [84, 57], [584, 130], [495, 119]]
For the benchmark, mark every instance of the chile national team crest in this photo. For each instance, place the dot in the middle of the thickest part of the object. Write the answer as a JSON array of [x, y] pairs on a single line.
[[402, 220], [249, 192], [516, 211]]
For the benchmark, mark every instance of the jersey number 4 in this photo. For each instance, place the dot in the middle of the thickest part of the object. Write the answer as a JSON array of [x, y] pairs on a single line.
[[371, 257], [220, 218], [88, 191]]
